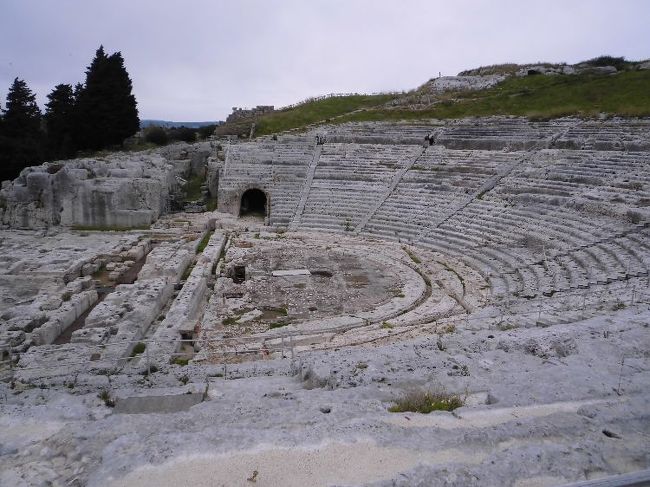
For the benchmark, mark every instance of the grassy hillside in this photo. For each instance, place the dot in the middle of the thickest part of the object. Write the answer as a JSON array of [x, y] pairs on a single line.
[[626, 94], [317, 111], [541, 97]]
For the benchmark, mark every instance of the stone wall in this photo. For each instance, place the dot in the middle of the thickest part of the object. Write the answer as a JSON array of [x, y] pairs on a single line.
[[239, 114]]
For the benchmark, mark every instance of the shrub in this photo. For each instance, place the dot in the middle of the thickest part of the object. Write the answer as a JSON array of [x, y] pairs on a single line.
[[105, 396], [426, 401], [182, 134], [206, 131], [138, 349], [156, 135], [618, 62]]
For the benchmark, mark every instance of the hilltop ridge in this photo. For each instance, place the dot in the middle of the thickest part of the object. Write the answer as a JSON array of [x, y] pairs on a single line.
[[603, 85]]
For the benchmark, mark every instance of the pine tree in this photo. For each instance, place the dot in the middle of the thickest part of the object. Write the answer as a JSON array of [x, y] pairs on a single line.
[[59, 122], [106, 112], [22, 138]]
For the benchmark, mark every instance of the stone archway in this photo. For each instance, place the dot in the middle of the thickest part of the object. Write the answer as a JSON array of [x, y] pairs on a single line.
[[253, 202]]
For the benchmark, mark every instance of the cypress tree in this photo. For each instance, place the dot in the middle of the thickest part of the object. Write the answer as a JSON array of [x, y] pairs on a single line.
[[106, 111], [22, 138], [125, 121], [59, 122]]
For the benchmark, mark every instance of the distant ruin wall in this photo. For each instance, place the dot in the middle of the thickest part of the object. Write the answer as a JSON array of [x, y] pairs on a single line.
[[239, 114]]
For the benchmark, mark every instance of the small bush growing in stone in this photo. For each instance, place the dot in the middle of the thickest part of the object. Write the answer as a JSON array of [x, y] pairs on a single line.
[[105, 396], [451, 328], [138, 349], [426, 401], [278, 324]]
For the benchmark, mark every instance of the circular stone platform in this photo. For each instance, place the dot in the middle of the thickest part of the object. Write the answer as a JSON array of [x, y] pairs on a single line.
[[314, 287]]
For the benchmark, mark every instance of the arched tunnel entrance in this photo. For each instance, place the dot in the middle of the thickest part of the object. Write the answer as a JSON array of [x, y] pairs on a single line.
[[253, 202]]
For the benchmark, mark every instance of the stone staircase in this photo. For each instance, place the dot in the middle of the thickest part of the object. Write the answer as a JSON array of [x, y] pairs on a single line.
[[304, 193], [396, 179]]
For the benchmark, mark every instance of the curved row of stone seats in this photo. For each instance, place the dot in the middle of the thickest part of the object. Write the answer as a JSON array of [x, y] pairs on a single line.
[[616, 134], [543, 228], [438, 182], [497, 133], [610, 177], [291, 159], [494, 133], [500, 133], [518, 268], [349, 180], [529, 240], [337, 208], [377, 132]]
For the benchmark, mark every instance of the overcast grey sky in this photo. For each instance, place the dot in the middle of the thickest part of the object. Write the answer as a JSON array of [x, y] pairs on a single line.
[[194, 60]]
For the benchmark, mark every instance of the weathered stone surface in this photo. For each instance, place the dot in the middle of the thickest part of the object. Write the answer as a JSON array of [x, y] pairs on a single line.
[[120, 191], [462, 83], [502, 260]]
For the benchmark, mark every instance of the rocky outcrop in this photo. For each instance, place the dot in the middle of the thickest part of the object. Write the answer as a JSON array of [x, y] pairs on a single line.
[[117, 191], [463, 83]]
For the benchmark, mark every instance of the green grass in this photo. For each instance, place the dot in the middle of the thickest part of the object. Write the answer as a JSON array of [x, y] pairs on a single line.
[[204, 242], [188, 271], [230, 321], [211, 204], [278, 324], [419, 401], [413, 257], [316, 111], [192, 188], [538, 97], [181, 361]]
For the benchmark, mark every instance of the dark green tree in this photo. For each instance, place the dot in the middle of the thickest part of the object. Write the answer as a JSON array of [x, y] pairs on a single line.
[[106, 110], [59, 122], [21, 139]]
